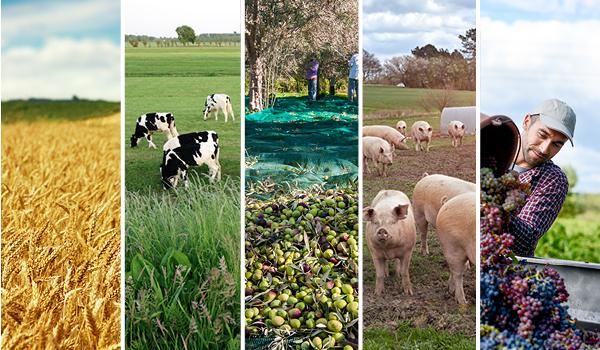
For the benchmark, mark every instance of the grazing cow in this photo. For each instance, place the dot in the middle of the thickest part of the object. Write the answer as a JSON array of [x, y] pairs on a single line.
[[149, 123], [218, 102], [176, 161], [188, 139]]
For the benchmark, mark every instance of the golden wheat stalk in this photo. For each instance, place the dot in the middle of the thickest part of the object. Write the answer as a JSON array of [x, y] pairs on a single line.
[[60, 234]]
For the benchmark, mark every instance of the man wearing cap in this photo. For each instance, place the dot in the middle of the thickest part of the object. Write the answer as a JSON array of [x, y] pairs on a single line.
[[546, 130]]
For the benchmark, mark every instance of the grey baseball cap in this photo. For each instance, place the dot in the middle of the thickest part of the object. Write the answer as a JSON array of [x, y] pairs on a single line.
[[558, 116]]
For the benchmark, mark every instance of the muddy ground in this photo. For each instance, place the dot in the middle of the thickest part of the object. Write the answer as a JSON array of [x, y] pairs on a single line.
[[431, 305]]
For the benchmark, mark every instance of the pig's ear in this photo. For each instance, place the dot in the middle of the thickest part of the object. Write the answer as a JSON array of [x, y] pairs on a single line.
[[368, 214], [444, 200], [401, 211]]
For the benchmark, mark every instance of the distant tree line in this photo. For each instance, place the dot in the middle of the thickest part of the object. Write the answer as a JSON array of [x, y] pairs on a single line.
[[210, 39], [427, 67]]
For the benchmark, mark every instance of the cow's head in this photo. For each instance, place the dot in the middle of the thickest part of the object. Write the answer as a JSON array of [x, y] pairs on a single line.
[[170, 170]]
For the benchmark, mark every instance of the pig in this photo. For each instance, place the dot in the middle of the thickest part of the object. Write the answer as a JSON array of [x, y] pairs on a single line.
[[421, 133], [379, 151], [456, 130], [428, 193], [401, 127], [455, 226], [391, 135], [390, 234]]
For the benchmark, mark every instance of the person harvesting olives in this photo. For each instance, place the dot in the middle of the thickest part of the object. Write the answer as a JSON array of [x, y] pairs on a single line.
[[545, 131]]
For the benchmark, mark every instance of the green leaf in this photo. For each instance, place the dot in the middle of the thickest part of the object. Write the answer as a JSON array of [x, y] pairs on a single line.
[[181, 259]]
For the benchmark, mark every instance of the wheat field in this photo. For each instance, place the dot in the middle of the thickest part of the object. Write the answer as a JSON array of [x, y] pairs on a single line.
[[61, 266]]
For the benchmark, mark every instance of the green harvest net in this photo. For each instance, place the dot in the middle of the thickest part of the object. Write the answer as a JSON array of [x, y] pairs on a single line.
[[303, 143]]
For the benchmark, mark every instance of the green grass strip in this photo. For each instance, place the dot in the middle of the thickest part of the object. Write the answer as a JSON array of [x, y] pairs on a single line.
[[43, 109], [408, 337]]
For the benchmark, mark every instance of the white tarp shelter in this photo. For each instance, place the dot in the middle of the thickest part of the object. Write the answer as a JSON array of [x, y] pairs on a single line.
[[467, 115]]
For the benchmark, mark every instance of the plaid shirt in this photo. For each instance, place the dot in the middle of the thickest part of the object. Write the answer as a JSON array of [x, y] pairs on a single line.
[[549, 186]]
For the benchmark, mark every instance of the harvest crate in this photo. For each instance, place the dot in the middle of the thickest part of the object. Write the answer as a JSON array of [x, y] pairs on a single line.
[[583, 284]]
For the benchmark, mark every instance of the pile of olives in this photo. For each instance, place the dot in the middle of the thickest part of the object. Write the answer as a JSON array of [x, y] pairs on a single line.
[[301, 268]]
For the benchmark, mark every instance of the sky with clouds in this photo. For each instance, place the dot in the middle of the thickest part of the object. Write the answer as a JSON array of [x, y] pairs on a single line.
[[395, 27], [161, 18], [531, 51], [57, 49]]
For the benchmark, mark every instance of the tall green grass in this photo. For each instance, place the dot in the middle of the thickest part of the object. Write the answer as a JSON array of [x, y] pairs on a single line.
[[44, 109], [182, 267], [407, 337]]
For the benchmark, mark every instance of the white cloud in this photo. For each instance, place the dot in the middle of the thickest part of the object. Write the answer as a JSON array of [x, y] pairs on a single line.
[[390, 44], [47, 19], [411, 22], [562, 7], [62, 68], [161, 18], [397, 27], [524, 62]]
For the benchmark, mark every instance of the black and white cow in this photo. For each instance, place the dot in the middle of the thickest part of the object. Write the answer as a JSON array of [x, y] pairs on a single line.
[[218, 102], [194, 149], [149, 123]]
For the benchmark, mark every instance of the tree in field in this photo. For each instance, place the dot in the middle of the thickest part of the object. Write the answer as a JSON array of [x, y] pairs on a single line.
[[372, 68], [186, 34], [429, 51], [281, 36], [468, 42]]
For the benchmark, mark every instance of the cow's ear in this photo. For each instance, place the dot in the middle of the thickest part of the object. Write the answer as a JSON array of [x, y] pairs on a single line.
[[401, 211], [368, 214]]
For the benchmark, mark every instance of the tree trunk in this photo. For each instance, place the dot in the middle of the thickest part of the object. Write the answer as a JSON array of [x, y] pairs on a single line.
[[255, 91], [332, 86], [318, 85]]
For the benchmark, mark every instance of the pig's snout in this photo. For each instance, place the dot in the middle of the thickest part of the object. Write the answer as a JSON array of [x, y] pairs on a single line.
[[382, 234]]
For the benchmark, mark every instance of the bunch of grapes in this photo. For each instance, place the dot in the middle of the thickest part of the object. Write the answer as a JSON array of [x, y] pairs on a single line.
[[521, 307]]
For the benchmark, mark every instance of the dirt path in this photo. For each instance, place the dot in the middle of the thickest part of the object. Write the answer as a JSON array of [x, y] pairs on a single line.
[[431, 305]]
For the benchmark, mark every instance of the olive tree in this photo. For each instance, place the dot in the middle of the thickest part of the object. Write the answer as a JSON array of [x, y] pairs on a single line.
[[281, 36]]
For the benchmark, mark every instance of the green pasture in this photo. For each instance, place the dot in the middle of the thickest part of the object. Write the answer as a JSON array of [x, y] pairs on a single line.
[[575, 238], [44, 109], [178, 80], [388, 99], [182, 245]]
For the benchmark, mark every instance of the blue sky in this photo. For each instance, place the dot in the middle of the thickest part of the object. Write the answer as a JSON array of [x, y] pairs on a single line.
[[531, 51], [57, 49], [395, 27]]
